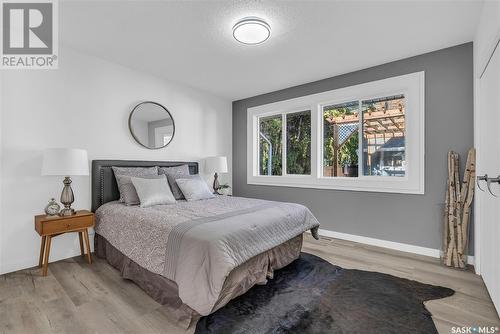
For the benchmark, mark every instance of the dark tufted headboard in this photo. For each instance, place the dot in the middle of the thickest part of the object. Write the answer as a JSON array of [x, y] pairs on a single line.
[[104, 187]]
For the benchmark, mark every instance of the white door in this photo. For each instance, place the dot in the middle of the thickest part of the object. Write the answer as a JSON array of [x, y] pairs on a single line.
[[488, 162]]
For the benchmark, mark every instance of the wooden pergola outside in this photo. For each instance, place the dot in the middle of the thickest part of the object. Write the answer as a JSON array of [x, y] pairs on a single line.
[[383, 121]]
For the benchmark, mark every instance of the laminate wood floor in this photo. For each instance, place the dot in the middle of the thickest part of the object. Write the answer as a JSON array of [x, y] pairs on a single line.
[[79, 298]]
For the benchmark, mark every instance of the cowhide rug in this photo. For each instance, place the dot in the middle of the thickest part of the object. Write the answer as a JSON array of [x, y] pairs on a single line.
[[313, 296]]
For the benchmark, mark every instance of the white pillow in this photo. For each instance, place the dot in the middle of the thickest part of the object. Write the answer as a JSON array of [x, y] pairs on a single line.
[[194, 189], [153, 191]]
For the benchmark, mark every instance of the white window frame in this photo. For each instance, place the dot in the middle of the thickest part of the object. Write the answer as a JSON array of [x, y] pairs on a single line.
[[411, 85]]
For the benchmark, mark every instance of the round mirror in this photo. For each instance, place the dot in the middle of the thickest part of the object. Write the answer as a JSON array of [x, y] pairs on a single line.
[[151, 125]]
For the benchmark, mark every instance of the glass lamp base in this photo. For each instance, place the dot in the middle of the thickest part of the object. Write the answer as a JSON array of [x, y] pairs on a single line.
[[67, 198], [67, 212]]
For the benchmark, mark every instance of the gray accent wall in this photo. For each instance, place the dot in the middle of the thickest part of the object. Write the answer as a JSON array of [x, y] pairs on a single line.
[[409, 219]]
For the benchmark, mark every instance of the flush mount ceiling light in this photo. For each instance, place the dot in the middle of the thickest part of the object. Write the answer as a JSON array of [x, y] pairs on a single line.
[[251, 30]]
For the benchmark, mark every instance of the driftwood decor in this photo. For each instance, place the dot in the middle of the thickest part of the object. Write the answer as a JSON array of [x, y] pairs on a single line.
[[458, 203]]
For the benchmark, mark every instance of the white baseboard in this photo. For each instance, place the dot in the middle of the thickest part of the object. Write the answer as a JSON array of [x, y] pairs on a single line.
[[431, 252], [435, 253]]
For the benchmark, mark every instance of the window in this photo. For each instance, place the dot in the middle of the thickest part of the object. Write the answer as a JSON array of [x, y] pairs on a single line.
[[270, 149], [368, 137], [296, 134], [384, 136], [341, 139], [298, 143]]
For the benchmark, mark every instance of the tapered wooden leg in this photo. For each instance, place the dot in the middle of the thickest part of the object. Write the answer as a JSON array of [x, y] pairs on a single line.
[[42, 248], [46, 257], [87, 245], [82, 251]]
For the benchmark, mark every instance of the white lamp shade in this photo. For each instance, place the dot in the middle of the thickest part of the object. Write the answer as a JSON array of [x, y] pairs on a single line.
[[216, 165], [65, 162]]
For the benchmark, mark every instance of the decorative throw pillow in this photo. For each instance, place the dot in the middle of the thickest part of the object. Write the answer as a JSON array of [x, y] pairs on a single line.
[[172, 173], [129, 193], [153, 191], [194, 188], [133, 171], [172, 181]]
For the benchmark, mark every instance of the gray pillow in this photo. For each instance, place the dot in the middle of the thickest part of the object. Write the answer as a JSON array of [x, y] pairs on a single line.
[[182, 169], [173, 173], [129, 193], [194, 188], [153, 191], [133, 171], [172, 181]]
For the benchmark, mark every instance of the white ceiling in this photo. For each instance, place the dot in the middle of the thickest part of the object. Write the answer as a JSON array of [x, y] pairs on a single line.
[[191, 42]]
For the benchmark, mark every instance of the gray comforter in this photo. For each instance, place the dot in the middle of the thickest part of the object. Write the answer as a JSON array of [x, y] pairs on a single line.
[[197, 244]]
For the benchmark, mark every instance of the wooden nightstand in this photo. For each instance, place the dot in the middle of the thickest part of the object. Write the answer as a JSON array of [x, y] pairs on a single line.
[[52, 226]]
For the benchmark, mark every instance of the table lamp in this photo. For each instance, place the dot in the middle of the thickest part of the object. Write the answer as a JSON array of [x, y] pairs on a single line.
[[216, 165], [65, 162]]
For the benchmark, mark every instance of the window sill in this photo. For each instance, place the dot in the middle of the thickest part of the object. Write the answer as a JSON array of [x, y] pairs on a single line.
[[367, 184]]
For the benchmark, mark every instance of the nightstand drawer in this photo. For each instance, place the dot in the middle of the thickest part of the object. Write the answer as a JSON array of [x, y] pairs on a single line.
[[64, 225]]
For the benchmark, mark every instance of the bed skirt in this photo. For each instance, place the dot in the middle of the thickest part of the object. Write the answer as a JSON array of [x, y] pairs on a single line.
[[255, 271]]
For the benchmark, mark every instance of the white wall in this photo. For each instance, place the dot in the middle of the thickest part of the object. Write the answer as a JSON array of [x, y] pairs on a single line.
[[85, 104], [487, 35]]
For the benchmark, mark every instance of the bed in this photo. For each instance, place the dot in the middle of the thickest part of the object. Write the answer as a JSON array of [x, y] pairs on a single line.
[[194, 257]]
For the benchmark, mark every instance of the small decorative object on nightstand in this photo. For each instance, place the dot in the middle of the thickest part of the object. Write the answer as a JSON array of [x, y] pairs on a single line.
[[223, 189], [216, 165], [52, 226], [65, 162], [52, 208]]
